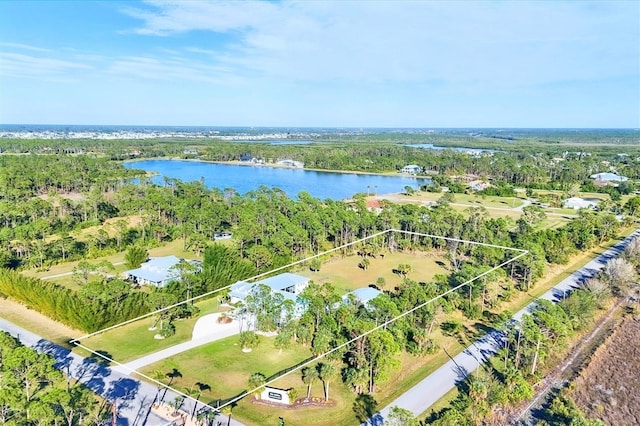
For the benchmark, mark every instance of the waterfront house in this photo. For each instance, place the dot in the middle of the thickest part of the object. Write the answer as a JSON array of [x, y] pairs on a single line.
[[291, 163], [411, 169], [479, 185]]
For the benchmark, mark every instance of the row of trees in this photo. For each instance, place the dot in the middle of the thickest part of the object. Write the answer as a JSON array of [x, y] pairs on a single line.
[[33, 392], [542, 336]]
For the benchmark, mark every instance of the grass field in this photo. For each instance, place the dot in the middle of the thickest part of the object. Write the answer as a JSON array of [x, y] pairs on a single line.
[[133, 340], [345, 274], [225, 368]]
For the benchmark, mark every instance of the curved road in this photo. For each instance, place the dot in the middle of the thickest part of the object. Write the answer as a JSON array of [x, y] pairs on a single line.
[[420, 397]]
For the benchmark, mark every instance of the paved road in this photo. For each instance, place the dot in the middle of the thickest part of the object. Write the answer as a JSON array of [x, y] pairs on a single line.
[[420, 397], [133, 397]]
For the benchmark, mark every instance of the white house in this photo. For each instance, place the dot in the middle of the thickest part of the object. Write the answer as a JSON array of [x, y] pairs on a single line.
[[578, 203], [289, 285], [609, 177], [158, 271], [411, 169], [291, 163], [479, 185]]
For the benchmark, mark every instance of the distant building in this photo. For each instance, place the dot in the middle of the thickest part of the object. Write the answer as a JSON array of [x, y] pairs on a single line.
[[609, 177], [374, 205], [479, 185], [291, 163], [578, 203], [411, 169], [362, 295], [222, 236], [158, 271]]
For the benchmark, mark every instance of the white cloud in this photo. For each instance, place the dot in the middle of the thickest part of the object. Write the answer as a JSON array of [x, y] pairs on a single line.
[[24, 47], [481, 44], [29, 66]]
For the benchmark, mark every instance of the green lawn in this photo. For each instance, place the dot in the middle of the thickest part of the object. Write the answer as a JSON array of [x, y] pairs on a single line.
[[133, 340], [225, 368], [471, 199], [345, 274]]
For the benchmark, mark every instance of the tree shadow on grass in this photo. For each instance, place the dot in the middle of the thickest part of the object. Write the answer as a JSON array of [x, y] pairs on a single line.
[[365, 407]]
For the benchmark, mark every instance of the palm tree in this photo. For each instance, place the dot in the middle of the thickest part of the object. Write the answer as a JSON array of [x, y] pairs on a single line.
[[193, 392], [326, 373], [158, 375], [256, 381], [308, 375]]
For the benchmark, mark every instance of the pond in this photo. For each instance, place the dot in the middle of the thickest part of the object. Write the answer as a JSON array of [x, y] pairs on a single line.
[[333, 185]]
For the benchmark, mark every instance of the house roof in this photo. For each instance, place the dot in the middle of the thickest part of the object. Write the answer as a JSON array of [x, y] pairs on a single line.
[[241, 289], [611, 177], [157, 269], [364, 294], [282, 281], [577, 202]]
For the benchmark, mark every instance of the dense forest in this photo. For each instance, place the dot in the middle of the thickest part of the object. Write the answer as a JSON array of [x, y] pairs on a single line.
[[55, 207], [270, 230]]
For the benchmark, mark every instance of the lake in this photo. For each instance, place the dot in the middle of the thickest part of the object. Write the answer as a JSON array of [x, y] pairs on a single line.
[[336, 186]]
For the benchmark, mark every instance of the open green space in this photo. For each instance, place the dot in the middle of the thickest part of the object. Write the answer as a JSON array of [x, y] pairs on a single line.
[[471, 199], [225, 367], [345, 274], [128, 342]]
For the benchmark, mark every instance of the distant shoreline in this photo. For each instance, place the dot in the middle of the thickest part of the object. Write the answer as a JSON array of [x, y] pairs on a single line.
[[273, 165]]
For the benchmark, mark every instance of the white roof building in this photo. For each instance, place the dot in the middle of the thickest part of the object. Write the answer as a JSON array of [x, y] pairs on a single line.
[[578, 203], [411, 169], [158, 271], [609, 177]]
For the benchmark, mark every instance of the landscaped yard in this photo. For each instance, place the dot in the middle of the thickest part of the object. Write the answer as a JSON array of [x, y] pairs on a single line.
[[133, 340], [225, 367]]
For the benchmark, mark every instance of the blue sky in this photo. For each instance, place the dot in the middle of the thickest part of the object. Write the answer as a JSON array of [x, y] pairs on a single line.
[[321, 63]]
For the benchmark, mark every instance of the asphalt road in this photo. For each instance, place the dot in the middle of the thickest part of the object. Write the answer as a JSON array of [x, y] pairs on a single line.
[[133, 397], [420, 397]]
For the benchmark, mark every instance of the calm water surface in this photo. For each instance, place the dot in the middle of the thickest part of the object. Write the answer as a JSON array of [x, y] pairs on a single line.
[[336, 186]]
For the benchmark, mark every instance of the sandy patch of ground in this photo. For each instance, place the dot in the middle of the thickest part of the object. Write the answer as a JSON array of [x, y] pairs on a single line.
[[36, 322], [607, 389]]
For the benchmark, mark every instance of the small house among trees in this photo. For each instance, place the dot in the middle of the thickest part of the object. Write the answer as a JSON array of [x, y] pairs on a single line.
[[158, 271]]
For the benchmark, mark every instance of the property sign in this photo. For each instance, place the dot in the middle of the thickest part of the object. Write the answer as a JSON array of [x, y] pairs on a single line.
[[279, 396]]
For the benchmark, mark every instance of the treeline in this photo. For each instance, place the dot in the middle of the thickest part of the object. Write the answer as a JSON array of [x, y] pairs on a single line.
[[34, 392], [26, 176], [88, 311], [531, 347]]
